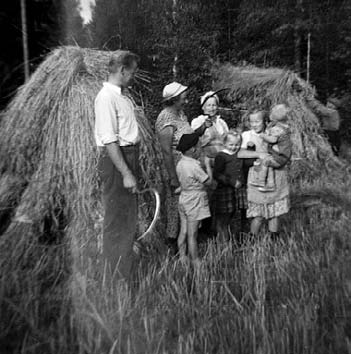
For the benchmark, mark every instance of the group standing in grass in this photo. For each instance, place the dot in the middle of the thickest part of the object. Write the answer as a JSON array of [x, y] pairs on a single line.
[[204, 162], [215, 171]]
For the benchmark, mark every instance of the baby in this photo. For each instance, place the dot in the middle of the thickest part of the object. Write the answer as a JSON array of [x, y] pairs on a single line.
[[277, 136]]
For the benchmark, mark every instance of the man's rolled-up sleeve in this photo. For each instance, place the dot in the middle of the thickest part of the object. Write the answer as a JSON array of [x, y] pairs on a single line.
[[105, 120]]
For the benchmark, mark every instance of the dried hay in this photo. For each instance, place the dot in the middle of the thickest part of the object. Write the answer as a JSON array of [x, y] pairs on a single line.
[[251, 88], [48, 159]]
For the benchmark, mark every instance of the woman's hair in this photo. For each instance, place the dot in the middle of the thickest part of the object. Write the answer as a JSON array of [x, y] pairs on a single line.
[[171, 101], [262, 113], [207, 96], [233, 133]]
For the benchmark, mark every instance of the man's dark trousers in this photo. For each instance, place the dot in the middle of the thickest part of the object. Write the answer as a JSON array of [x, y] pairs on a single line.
[[121, 213]]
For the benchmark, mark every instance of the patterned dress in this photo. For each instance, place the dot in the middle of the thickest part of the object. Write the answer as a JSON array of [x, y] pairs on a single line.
[[178, 120], [266, 204]]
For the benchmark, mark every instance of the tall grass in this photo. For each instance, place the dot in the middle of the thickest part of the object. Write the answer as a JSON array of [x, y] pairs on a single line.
[[288, 296]]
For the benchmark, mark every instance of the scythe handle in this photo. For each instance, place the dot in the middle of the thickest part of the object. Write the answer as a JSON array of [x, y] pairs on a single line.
[[157, 210]]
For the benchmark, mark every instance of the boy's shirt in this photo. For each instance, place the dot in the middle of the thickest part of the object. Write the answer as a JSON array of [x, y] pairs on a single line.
[[190, 174]]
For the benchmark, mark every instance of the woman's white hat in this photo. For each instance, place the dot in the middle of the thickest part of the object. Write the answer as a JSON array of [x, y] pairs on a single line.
[[208, 95], [172, 90]]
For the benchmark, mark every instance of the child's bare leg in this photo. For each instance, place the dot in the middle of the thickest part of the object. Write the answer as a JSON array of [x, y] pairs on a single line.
[[223, 227], [273, 224], [259, 174], [273, 227], [270, 178], [262, 174], [182, 235], [192, 231], [208, 166], [256, 225]]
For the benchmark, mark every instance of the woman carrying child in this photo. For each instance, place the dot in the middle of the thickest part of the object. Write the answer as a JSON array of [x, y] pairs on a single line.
[[193, 201], [227, 172], [271, 204], [277, 136]]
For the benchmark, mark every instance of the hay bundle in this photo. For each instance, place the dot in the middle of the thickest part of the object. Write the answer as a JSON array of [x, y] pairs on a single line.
[[48, 158], [47, 136], [254, 88]]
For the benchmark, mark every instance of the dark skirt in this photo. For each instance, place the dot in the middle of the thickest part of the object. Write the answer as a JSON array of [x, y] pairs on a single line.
[[223, 200], [241, 198]]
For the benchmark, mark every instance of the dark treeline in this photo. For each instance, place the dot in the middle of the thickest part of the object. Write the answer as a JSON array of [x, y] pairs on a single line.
[[181, 38]]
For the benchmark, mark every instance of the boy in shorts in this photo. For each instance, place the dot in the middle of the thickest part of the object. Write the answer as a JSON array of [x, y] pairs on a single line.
[[193, 200]]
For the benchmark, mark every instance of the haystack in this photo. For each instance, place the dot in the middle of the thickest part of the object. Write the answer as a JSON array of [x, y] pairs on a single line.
[[251, 88], [50, 193]]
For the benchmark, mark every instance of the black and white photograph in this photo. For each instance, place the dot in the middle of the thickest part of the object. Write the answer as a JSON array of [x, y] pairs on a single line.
[[175, 177]]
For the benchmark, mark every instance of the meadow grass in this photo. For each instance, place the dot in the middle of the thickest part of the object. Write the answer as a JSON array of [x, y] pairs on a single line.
[[286, 296]]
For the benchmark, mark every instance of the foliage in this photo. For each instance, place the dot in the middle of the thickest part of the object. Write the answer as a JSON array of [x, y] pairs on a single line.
[[264, 33]]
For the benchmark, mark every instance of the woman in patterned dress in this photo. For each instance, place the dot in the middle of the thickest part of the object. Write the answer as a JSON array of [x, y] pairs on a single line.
[[171, 124], [263, 205]]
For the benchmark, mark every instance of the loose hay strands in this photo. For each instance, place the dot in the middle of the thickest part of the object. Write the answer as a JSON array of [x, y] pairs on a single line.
[[255, 88], [55, 137], [48, 145]]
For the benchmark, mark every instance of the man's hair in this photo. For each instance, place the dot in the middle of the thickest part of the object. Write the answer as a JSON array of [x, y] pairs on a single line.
[[121, 58]]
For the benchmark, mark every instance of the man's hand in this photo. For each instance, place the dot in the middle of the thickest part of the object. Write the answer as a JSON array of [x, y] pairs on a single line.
[[129, 182]]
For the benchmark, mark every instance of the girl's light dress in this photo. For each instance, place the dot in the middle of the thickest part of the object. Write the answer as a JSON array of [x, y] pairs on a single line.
[[266, 204]]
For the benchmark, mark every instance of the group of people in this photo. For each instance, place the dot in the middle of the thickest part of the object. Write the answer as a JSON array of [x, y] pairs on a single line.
[[212, 170], [216, 171]]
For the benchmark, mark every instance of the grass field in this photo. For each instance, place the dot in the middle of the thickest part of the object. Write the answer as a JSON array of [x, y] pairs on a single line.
[[288, 296]]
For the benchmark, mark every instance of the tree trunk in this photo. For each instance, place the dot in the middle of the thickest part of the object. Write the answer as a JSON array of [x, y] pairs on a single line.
[[308, 57], [25, 40], [298, 35], [175, 60]]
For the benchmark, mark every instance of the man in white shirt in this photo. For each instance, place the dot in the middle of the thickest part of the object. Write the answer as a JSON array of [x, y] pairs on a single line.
[[117, 137]]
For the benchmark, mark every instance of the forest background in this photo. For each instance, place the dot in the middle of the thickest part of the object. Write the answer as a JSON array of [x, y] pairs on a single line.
[[180, 39]]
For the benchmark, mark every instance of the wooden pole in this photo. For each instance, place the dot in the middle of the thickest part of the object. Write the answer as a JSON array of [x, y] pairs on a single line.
[[175, 60], [25, 40], [308, 57]]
